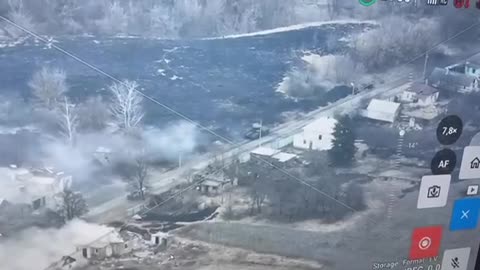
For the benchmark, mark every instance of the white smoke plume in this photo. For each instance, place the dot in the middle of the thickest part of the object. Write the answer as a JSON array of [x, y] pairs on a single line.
[[37, 248], [158, 144], [319, 73]]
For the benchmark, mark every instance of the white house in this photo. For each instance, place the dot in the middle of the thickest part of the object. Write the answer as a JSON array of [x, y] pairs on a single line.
[[382, 110], [454, 79], [37, 188], [421, 94], [109, 245], [317, 135]]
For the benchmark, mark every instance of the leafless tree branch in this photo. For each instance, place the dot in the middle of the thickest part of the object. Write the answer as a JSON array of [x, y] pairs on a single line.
[[126, 104]]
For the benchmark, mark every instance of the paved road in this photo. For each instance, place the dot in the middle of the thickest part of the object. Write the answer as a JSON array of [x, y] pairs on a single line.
[[120, 208]]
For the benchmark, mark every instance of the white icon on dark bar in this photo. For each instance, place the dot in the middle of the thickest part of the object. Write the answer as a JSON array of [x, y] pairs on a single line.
[[437, 2]]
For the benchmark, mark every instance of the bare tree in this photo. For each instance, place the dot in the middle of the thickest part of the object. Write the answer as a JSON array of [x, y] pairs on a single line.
[[137, 178], [18, 15], [395, 40], [72, 205], [333, 8], [93, 114], [126, 104], [68, 121], [49, 86], [115, 19], [258, 192]]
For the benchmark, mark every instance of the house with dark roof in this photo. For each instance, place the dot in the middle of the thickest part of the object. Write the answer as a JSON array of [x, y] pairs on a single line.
[[448, 79]]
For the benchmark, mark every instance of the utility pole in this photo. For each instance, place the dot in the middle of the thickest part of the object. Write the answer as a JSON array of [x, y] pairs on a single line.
[[180, 160], [260, 136], [425, 68]]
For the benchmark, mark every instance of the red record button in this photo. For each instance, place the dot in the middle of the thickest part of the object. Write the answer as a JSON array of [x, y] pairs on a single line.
[[425, 242]]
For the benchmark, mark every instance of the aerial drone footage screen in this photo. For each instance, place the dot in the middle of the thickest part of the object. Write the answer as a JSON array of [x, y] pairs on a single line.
[[239, 134]]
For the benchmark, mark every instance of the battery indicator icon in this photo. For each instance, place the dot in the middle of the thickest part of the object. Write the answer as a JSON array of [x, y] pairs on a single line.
[[437, 2]]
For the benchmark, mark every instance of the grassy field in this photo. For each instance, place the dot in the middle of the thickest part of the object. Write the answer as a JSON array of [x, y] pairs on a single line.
[[376, 237]]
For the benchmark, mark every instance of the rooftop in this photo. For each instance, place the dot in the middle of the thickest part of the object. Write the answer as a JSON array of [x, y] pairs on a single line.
[[323, 123], [423, 89], [449, 80], [383, 106], [264, 151], [211, 183], [96, 236], [475, 60], [284, 157], [113, 237], [23, 186]]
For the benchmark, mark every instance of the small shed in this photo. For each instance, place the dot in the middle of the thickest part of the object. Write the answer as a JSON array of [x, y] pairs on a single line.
[[210, 186], [159, 239], [382, 110], [108, 246]]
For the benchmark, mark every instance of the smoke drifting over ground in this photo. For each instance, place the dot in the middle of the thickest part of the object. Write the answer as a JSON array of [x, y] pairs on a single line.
[[38, 248], [156, 144], [181, 138], [318, 74]]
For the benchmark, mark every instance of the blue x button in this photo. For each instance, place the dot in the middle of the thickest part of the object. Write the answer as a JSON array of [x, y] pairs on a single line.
[[465, 214]]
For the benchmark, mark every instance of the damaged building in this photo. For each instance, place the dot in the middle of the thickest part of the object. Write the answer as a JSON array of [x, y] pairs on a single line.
[[34, 189], [110, 245]]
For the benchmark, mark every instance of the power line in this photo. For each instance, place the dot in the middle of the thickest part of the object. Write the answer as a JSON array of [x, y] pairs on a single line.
[[173, 111]]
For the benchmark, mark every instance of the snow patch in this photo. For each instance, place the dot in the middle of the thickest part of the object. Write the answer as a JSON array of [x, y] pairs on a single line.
[[161, 71], [14, 130], [294, 28]]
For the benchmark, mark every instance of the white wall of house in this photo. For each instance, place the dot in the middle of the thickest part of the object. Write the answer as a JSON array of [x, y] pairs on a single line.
[[159, 238], [472, 70], [381, 115], [316, 136]]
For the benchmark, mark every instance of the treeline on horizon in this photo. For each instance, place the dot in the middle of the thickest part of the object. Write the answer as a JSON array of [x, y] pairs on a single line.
[[200, 18]]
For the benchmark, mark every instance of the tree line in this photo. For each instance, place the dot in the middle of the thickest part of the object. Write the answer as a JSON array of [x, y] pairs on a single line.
[[297, 193], [121, 111]]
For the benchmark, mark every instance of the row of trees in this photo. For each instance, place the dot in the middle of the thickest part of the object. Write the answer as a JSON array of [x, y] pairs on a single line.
[[168, 19], [323, 194], [343, 149], [124, 109], [121, 109], [182, 18], [278, 195], [395, 41]]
